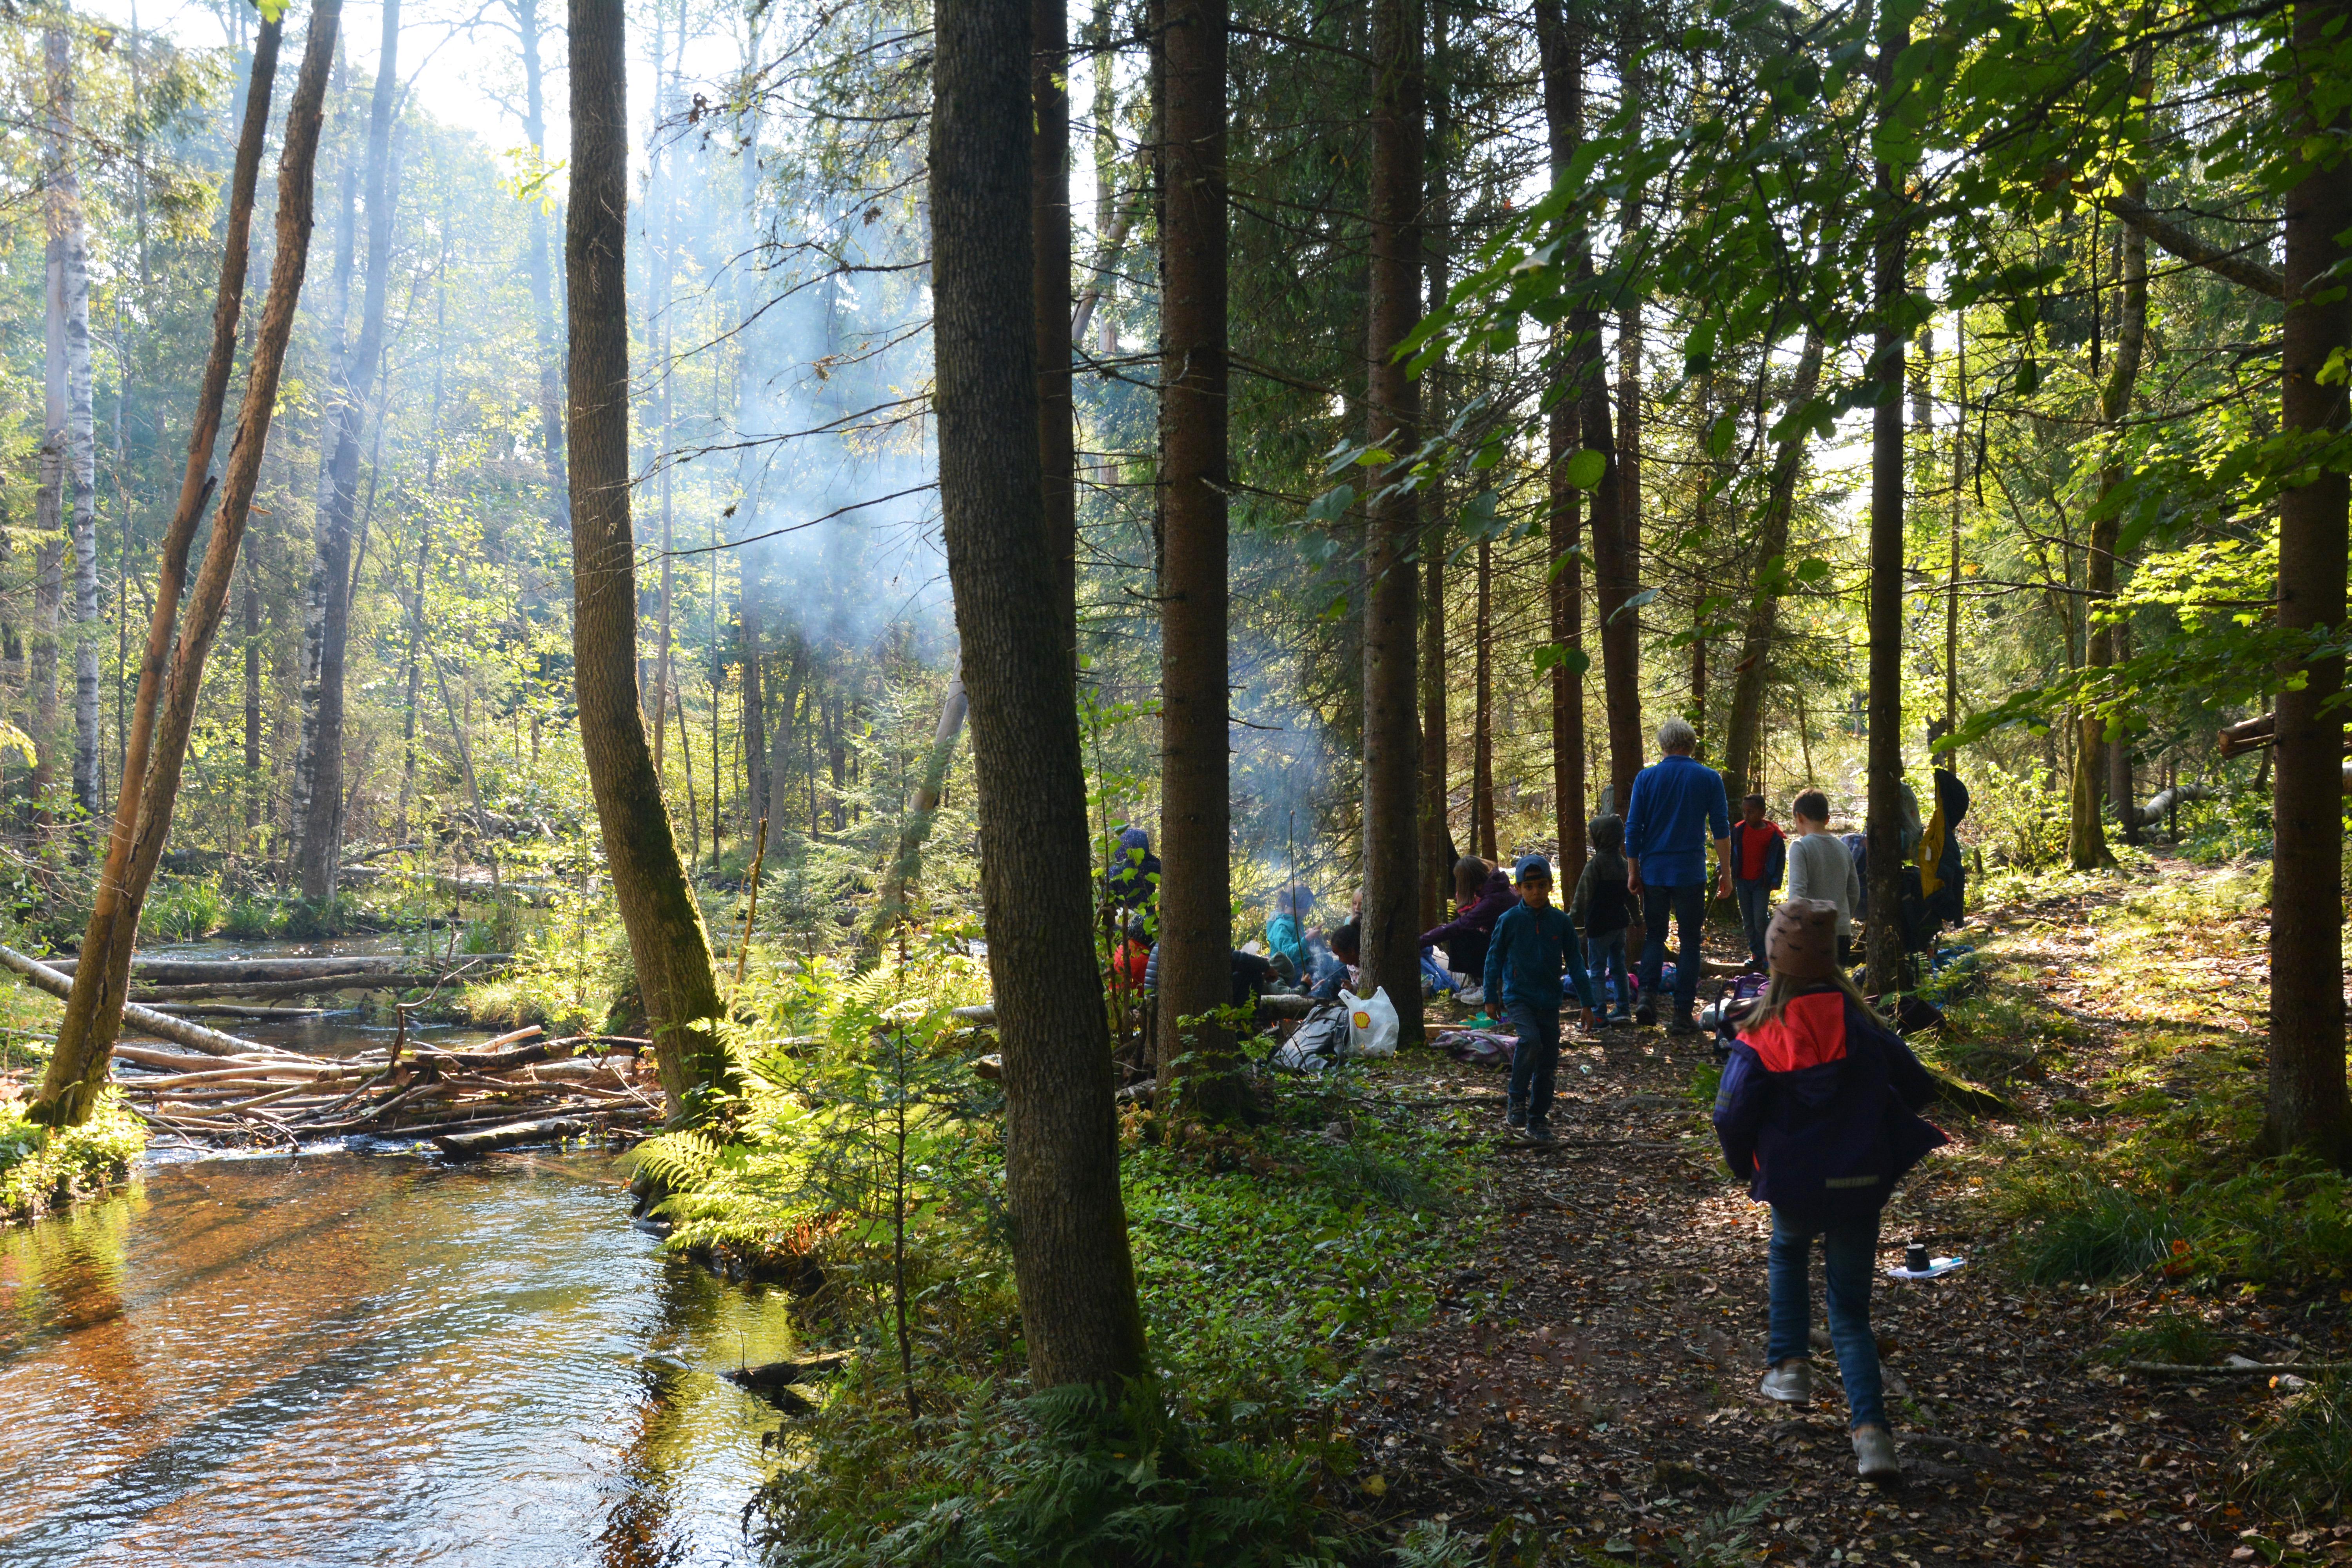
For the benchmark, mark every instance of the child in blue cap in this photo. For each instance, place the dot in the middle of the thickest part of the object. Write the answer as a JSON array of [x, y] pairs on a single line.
[[1532, 944]]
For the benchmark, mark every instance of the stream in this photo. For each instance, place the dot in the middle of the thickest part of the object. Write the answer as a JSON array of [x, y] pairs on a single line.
[[368, 1356]]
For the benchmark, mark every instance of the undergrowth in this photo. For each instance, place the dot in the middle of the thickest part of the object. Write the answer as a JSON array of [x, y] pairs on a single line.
[[40, 1168]]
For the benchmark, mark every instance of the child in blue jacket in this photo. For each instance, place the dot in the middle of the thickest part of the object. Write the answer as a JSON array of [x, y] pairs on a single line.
[[1818, 1110], [1532, 943]]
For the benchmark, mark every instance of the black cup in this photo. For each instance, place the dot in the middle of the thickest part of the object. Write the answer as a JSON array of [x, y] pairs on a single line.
[[1915, 1257]]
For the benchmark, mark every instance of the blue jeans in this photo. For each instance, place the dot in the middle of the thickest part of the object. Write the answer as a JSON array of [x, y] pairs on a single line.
[[1850, 1262], [1536, 1059], [1755, 913], [1688, 906], [1604, 958]]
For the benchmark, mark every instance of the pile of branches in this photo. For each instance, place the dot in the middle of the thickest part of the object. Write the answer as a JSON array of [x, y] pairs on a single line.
[[513, 1090]]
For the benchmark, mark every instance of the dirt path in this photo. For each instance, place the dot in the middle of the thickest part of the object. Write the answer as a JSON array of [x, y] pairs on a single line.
[[1591, 1376]]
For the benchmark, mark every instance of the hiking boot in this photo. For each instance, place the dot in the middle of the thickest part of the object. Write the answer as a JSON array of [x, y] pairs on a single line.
[[1515, 1118], [1683, 1023], [1645, 1015], [1790, 1382], [1538, 1130], [1873, 1455]]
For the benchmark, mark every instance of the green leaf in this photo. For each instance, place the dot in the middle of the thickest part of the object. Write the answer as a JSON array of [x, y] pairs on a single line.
[[1332, 505], [1720, 435], [2029, 376], [271, 10], [1586, 469], [1812, 569], [1560, 656]]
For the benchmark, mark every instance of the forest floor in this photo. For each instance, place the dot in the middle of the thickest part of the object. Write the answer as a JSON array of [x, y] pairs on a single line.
[[1588, 1387]]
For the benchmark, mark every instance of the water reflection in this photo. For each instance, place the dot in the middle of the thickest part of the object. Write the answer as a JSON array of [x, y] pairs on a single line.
[[350, 1360]]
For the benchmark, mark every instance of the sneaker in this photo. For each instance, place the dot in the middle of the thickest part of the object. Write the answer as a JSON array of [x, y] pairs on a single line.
[[1645, 1015], [1539, 1130], [1790, 1382], [1873, 1455], [1515, 1118], [1471, 996], [1682, 1025]]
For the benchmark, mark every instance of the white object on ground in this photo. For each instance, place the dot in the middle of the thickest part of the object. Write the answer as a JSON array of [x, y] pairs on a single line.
[[1371, 1024], [1935, 1265]]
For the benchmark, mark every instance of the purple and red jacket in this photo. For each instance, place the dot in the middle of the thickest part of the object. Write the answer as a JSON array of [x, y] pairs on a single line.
[[1819, 1109], [1495, 901]]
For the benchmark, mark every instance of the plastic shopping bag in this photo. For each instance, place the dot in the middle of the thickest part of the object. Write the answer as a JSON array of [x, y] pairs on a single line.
[[1371, 1024]]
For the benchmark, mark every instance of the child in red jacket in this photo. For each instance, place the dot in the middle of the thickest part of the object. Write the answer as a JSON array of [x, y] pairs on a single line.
[[1818, 1110]]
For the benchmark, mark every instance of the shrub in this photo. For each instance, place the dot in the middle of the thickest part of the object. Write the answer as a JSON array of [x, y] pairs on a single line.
[[42, 1167], [183, 912], [251, 918], [2300, 1456]]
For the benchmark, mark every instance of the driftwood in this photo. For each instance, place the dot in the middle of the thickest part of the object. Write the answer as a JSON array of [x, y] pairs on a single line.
[[550, 1130], [359, 980], [146, 1020], [234, 1010], [2243, 1369], [252, 971]]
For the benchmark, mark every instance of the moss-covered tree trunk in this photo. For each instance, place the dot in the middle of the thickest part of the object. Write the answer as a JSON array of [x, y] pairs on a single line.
[[667, 940]]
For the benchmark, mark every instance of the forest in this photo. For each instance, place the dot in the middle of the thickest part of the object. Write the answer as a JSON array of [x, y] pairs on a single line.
[[909, 691]]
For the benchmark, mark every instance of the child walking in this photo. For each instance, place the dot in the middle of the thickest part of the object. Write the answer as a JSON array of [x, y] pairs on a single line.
[[1532, 943], [1603, 909], [1819, 1110], [1758, 859]]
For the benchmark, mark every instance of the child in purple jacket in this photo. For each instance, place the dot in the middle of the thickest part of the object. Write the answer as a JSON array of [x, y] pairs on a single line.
[[1819, 1110]]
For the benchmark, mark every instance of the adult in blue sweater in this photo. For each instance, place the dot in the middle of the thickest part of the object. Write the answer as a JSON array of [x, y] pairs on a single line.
[[1677, 805], [1532, 943]]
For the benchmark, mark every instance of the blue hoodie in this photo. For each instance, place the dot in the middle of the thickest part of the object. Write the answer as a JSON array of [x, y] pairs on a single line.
[[1524, 957]]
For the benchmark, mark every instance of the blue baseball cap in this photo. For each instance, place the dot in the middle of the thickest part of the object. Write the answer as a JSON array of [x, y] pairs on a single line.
[[1532, 866]]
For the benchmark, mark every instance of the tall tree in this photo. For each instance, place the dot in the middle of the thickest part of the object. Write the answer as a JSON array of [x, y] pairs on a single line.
[[544, 316], [167, 697], [1196, 807], [1049, 217], [1070, 1255], [1436, 839], [1392, 949], [1889, 295], [667, 944], [68, 282], [1560, 59], [327, 608], [1623, 678], [1481, 703], [1743, 765], [2306, 1110]]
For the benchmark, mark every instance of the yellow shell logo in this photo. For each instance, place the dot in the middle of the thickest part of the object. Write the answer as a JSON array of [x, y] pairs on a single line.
[[1363, 1020]]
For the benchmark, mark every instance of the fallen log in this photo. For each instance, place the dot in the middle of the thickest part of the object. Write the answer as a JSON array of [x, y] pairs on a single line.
[[361, 979], [234, 1010], [146, 1020], [249, 971], [550, 1130]]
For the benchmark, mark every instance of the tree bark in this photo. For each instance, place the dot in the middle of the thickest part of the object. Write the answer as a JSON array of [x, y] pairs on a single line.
[[1196, 811], [1071, 1261], [667, 940], [1889, 290], [1436, 860], [2086, 839], [1621, 559], [1391, 947], [319, 757], [69, 274], [1482, 718], [1742, 748], [906, 867], [1049, 217], [1560, 58], [2306, 1110], [544, 321], [159, 740]]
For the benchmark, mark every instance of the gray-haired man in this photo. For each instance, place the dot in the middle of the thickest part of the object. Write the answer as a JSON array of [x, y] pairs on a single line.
[[1677, 805]]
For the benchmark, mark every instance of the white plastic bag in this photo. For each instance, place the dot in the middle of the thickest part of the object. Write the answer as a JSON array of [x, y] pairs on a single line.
[[1371, 1024]]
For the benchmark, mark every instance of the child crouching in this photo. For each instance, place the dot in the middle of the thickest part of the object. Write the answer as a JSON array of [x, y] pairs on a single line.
[[1818, 1110]]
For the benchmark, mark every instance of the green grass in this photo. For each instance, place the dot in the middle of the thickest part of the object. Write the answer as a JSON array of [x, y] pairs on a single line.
[[41, 1169], [2300, 1454], [2174, 1338], [183, 911]]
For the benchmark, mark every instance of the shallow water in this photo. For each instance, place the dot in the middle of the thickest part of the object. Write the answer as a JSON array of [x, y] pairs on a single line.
[[365, 1358]]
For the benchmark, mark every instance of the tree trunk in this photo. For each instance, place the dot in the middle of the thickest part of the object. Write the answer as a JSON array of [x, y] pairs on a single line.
[[1070, 1258], [1196, 811], [159, 739], [667, 942], [49, 521], [1049, 219], [1436, 861], [1621, 559], [906, 868], [1482, 720], [71, 280], [544, 323], [1742, 748], [319, 757], [1391, 947], [1889, 290], [2306, 1110], [2086, 839], [252, 618], [1561, 56]]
